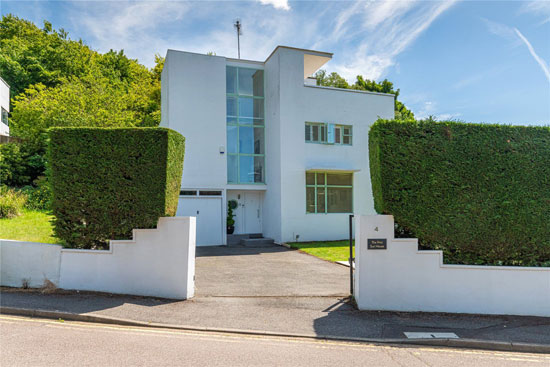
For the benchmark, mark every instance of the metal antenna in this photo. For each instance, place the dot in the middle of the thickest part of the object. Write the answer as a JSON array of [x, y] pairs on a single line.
[[238, 26]]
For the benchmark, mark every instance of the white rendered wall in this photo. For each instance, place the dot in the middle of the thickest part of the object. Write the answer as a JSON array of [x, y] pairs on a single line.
[[4, 103], [273, 145], [28, 264], [298, 104], [158, 262], [193, 104], [402, 278]]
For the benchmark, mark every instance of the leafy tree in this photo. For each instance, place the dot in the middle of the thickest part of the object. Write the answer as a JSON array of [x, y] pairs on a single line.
[[44, 63], [335, 80], [29, 55], [56, 81]]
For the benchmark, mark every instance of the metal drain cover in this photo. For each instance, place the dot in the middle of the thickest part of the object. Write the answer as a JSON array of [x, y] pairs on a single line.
[[429, 335]]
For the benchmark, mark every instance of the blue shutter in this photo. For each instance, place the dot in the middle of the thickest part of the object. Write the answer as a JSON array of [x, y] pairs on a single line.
[[330, 137]]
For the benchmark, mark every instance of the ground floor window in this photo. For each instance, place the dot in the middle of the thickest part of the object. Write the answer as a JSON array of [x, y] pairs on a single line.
[[329, 192]]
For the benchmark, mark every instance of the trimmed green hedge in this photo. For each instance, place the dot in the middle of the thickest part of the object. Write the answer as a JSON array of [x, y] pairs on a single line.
[[106, 182], [480, 193]]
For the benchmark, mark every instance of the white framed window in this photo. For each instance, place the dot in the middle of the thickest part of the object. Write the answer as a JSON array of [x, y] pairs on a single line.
[[325, 133], [5, 116]]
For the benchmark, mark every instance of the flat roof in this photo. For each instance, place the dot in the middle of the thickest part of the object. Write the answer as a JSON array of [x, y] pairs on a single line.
[[311, 52], [4, 82]]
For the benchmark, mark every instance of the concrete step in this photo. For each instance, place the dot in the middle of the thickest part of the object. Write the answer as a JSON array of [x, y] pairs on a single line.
[[235, 239], [257, 242]]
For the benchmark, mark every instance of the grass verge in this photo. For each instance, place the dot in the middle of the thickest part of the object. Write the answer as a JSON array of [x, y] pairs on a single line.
[[31, 225], [326, 250]]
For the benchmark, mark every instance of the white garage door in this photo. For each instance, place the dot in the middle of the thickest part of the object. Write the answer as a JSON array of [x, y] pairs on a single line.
[[208, 211]]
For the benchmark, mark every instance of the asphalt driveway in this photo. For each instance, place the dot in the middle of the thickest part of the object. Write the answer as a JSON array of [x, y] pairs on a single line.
[[266, 272]]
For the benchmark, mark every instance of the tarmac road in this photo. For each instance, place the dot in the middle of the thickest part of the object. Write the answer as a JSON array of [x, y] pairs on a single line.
[[42, 342]]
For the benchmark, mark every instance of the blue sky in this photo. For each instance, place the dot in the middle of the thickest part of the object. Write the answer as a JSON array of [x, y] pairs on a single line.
[[477, 61]]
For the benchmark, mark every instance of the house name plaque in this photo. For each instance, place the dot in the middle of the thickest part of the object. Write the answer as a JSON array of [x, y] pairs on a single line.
[[377, 244]]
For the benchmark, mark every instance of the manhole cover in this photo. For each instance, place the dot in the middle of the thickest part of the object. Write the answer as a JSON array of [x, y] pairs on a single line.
[[429, 335]]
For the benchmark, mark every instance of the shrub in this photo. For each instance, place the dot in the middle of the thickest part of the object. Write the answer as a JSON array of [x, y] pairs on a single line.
[[39, 195], [11, 202], [106, 182], [480, 193], [21, 163]]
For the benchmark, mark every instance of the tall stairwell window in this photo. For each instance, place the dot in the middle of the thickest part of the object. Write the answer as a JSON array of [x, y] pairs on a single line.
[[245, 125]]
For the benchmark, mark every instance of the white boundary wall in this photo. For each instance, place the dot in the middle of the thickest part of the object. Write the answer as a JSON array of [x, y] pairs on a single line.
[[158, 262], [402, 278]]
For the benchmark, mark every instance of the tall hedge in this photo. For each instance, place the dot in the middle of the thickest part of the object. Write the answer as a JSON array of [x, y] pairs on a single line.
[[481, 193], [105, 181]]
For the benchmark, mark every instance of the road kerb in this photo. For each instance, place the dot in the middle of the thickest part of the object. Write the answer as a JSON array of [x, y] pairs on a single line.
[[451, 343]]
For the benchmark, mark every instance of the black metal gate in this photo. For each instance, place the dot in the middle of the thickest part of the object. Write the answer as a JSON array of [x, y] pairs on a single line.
[[351, 257]]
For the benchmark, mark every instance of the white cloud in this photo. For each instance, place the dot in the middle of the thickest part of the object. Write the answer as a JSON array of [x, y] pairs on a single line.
[[367, 36], [499, 29], [386, 30], [543, 65], [277, 4], [540, 8], [127, 25]]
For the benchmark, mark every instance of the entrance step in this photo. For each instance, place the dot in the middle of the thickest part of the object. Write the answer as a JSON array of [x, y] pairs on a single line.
[[249, 240], [235, 239], [257, 242]]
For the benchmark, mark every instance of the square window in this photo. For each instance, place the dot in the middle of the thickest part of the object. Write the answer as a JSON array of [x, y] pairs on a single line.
[[232, 139], [347, 140], [251, 140], [246, 140], [231, 106], [320, 178], [246, 169], [251, 82], [339, 200], [258, 169], [231, 80], [320, 200], [232, 169], [246, 107], [315, 133], [340, 179], [310, 199], [329, 192]]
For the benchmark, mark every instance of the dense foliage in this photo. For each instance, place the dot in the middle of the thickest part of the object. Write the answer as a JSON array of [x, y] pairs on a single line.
[[11, 202], [480, 193], [21, 163], [106, 182], [56, 81], [335, 80]]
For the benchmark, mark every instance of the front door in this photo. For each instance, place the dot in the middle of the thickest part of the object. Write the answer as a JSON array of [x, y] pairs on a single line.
[[248, 213], [252, 212]]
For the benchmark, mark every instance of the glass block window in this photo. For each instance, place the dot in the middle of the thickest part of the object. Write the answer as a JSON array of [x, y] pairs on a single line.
[[245, 125], [329, 192]]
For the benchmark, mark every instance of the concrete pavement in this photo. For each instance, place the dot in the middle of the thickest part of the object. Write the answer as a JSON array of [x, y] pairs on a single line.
[[38, 342]]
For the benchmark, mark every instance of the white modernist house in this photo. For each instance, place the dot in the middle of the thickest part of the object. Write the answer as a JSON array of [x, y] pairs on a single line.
[[293, 155], [4, 107]]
